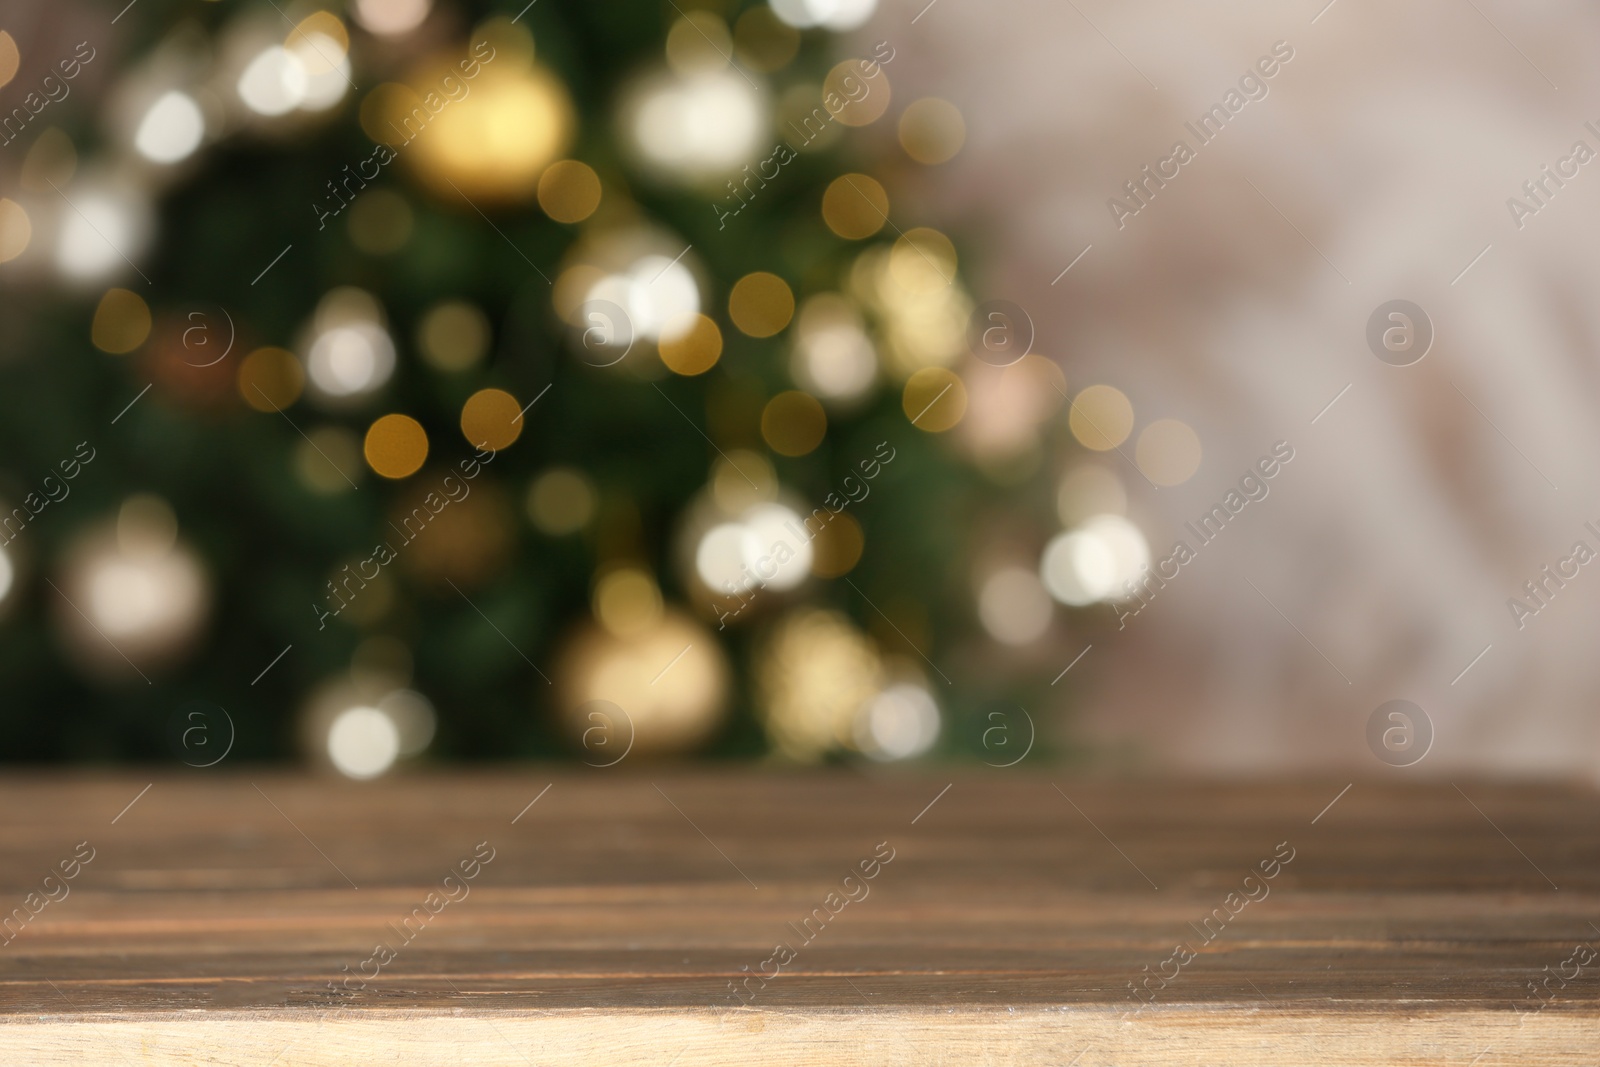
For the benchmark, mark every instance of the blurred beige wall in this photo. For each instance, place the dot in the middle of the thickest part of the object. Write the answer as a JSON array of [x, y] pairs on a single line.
[[1377, 166]]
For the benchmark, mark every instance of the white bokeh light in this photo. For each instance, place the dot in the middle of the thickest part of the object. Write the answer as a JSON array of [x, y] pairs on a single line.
[[900, 722], [1094, 562], [719, 559], [833, 356], [363, 742], [8, 575], [274, 83], [391, 18], [171, 130], [833, 14], [698, 126], [350, 360], [655, 291], [97, 234], [1014, 607], [774, 527], [326, 66]]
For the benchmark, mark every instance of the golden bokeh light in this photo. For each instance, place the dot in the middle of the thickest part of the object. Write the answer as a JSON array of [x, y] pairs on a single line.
[[793, 423], [396, 446], [15, 230], [380, 222], [1101, 418], [627, 602], [852, 96], [855, 206], [692, 349], [324, 24], [328, 460], [837, 547], [270, 379], [764, 42], [742, 479], [698, 41], [1089, 489], [561, 501], [934, 399], [492, 419], [10, 58], [1168, 452], [121, 322], [453, 335], [52, 160], [761, 304], [493, 143], [922, 261], [932, 130], [569, 190]]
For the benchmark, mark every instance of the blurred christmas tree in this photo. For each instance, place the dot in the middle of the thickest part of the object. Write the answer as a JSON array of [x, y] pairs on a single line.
[[555, 368]]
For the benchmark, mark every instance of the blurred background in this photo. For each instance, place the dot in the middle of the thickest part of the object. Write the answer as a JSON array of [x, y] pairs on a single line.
[[817, 380]]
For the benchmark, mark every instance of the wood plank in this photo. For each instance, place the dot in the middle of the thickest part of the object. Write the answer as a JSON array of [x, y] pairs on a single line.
[[220, 916]]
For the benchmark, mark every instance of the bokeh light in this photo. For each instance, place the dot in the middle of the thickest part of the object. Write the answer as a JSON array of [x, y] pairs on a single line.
[[761, 304], [453, 335], [121, 322], [561, 501], [491, 419], [793, 423], [396, 446], [270, 379], [932, 130], [1168, 452], [934, 399], [569, 191], [1101, 417], [855, 206]]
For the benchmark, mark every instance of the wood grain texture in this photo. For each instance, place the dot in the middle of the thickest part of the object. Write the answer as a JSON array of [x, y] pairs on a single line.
[[220, 917]]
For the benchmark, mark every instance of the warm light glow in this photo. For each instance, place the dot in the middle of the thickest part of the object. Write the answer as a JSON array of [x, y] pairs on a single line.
[[15, 230], [396, 446], [350, 360], [96, 235], [8, 574], [855, 206], [832, 14], [696, 127], [627, 602], [494, 142], [1013, 607], [1097, 561], [1101, 417], [270, 379], [833, 356], [898, 723], [761, 304], [658, 295], [274, 83], [561, 501], [793, 423], [1089, 489], [693, 348], [777, 552], [391, 18], [492, 419], [363, 742], [934, 399], [453, 335], [121, 322], [569, 191], [171, 130], [1168, 452], [932, 130]]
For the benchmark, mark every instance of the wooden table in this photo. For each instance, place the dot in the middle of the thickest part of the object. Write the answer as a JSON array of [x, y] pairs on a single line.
[[1008, 919]]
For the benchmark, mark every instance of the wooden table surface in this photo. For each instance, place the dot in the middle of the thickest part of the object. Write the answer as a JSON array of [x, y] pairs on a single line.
[[1008, 919]]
